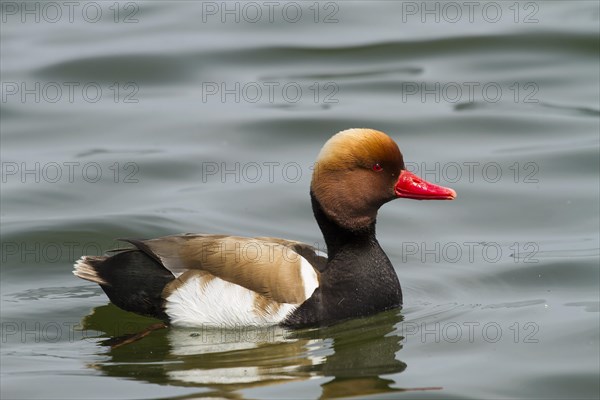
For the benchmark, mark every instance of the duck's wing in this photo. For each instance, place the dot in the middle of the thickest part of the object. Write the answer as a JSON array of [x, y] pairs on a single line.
[[280, 270]]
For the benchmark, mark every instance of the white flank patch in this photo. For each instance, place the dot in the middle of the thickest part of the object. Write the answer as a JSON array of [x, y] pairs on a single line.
[[309, 277], [218, 304]]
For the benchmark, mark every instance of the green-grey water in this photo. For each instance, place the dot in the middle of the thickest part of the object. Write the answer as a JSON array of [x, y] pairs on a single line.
[[142, 119]]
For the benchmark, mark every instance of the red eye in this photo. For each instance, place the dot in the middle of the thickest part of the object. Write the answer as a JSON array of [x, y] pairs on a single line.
[[377, 167]]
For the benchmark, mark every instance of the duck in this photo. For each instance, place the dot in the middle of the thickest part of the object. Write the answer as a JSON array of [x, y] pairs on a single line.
[[213, 280]]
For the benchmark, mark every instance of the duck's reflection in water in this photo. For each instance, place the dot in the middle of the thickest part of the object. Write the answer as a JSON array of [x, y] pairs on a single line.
[[354, 353]]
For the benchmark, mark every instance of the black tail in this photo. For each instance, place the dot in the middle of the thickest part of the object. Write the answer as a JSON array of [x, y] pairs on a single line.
[[131, 279]]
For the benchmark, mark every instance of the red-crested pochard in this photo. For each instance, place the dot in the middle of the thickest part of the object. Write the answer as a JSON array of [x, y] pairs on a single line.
[[195, 280]]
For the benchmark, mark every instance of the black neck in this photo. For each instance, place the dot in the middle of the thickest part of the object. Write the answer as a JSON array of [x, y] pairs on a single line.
[[338, 238]]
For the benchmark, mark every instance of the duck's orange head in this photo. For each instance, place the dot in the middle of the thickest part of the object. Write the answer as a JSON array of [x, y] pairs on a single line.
[[359, 170]]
